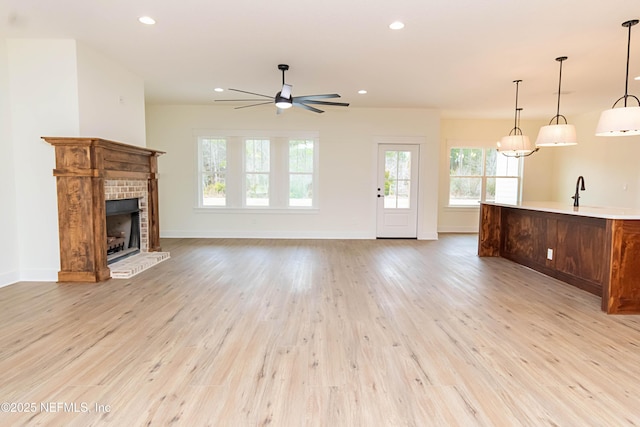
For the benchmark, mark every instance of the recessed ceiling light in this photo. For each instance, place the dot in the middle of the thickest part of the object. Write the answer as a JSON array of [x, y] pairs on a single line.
[[362, 92], [219, 89], [147, 20], [637, 78], [397, 25]]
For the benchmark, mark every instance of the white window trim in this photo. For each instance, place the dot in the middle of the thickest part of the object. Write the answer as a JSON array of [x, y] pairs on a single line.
[[485, 145], [278, 174]]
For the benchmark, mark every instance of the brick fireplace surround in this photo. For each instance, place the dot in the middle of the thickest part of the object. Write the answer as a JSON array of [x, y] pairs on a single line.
[[88, 172]]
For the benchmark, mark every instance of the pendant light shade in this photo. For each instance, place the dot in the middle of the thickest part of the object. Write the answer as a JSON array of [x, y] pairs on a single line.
[[621, 121], [516, 144], [556, 134]]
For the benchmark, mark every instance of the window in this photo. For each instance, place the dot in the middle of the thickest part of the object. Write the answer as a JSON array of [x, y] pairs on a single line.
[[213, 167], [301, 160], [257, 170], [482, 174]]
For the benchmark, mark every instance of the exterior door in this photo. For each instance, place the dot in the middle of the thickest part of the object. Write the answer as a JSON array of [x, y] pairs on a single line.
[[397, 191]]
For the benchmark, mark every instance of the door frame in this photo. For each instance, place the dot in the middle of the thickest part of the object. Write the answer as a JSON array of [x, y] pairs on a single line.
[[400, 140]]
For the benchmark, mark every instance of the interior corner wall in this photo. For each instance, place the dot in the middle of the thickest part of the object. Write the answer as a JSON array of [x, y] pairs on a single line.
[[609, 166], [9, 261], [347, 171], [537, 181], [110, 99], [44, 102]]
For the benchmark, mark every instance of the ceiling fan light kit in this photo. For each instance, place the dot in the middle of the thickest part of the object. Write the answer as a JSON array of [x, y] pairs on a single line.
[[621, 121], [284, 99]]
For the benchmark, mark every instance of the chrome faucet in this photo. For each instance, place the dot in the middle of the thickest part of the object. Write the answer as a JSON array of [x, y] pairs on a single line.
[[576, 196]]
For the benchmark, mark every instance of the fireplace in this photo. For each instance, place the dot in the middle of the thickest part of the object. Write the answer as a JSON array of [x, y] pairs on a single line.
[[90, 171], [123, 229]]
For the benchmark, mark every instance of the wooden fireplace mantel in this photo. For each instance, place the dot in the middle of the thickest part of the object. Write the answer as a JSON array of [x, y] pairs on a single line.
[[82, 165]]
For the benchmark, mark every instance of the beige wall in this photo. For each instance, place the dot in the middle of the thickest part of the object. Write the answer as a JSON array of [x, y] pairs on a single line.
[[610, 167], [537, 179], [348, 152]]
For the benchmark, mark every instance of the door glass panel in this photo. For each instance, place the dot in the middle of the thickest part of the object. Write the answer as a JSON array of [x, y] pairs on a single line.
[[397, 180]]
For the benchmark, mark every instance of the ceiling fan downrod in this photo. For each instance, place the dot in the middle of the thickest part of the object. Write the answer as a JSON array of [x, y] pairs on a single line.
[[283, 68]]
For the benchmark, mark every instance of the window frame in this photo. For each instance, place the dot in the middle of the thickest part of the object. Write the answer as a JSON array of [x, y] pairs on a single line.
[[485, 147], [279, 183]]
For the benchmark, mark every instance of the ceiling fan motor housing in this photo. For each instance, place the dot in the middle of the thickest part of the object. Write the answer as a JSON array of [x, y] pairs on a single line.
[[282, 102]]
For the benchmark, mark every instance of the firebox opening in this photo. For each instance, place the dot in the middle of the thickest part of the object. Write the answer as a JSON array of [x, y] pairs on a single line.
[[123, 229]]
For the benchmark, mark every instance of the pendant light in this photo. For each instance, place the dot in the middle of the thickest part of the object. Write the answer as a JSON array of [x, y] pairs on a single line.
[[623, 120], [556, 135], [516, 144]]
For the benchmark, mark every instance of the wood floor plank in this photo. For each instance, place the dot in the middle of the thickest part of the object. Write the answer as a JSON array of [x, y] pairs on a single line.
[[257, 332]]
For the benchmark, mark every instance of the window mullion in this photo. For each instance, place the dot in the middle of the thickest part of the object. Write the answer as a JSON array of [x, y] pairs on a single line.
[[234, 172]]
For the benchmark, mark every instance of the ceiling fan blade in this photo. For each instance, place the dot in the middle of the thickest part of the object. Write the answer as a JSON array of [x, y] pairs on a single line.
[[306, 97], [252, 93], [286, 91], [234, 100], [339, 104], [307, 107], [253, 105]]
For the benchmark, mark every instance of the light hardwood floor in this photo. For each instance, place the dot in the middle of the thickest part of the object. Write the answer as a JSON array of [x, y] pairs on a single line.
[[318, 333]]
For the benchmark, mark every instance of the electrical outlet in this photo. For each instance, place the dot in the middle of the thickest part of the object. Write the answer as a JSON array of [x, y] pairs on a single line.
[[549, 254]]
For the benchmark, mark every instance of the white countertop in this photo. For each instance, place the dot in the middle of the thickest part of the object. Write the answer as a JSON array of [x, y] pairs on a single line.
[[568, 209]]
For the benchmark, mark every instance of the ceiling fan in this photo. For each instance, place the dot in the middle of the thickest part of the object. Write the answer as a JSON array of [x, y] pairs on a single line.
[[284, 100]]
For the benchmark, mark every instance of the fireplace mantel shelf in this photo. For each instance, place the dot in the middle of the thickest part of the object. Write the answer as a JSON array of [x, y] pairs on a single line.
[[82, 166]]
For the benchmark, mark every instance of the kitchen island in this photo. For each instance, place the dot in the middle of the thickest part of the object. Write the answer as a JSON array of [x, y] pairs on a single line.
[[596, 249]]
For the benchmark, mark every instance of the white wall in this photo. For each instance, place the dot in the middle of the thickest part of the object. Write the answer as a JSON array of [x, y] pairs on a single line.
[[347, 199], [537, 178], [44, 101], [56, 89], [111, 99], [608, 164], [9, 262]]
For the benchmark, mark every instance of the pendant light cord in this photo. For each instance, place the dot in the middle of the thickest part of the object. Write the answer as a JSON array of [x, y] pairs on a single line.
[[559, 87], [626, 79], [557, 117], [627, 24], [515, 119]]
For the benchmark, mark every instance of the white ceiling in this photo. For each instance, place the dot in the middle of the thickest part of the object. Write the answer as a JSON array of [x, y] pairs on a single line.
[[458, 56]]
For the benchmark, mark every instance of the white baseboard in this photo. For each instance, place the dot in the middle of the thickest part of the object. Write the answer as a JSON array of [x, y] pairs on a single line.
[[428, 236], [173, 234], [9, 278], [460, 229], [43, 275]]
